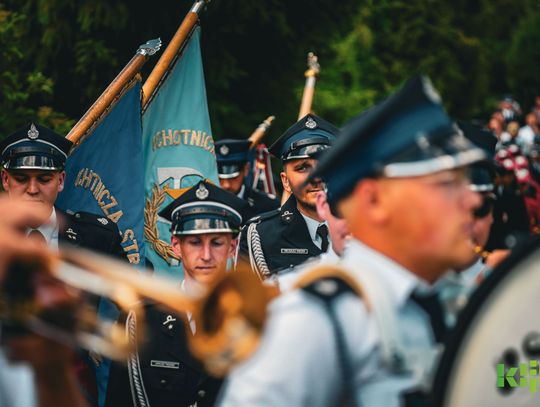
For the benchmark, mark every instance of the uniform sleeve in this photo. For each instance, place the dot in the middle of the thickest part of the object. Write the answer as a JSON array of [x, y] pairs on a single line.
[[116, 246], [296, 363]]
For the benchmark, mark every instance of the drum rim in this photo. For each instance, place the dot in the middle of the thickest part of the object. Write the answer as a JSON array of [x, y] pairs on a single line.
[[518, 255]]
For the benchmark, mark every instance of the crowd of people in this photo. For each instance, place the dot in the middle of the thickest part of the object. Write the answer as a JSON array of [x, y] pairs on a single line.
[[385, 228]]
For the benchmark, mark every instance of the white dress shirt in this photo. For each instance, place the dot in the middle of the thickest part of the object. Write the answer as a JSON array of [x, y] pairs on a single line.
[[312, 226], [49, 230], [297, 363]]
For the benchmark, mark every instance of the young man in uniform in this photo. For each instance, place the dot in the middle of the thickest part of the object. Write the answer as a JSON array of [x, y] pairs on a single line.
[[33, 160], [289, 236], [232, 163], [362, 334], [205, 222]]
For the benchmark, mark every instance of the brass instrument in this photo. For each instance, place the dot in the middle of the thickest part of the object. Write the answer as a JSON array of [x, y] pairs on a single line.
[[229, 314]]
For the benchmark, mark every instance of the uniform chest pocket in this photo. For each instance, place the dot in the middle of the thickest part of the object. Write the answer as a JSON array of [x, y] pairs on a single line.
[[178, 379]]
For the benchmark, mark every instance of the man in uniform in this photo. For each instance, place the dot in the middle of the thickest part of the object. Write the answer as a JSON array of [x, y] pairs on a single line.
[[365, 334], [232, 163], [287, 237], [205, 222], [32, 160]]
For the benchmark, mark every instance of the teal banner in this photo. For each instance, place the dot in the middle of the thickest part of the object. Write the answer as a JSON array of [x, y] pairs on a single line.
[[178, 149]]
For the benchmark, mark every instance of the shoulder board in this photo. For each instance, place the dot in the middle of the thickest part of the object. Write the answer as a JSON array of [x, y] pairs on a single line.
[[328, 288], [94, 219], [263, 216], [330, 281]]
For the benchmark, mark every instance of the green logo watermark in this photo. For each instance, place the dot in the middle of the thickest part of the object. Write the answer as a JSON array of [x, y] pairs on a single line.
[[528, 376]]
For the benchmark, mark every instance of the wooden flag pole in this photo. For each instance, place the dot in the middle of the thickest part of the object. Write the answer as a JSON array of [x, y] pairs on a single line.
[[309, 89], [115, 88], [168, 56], [260, 131]]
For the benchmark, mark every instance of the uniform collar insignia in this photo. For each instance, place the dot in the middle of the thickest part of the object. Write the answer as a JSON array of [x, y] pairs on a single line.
[[310, 123], [168, 322], [202, 192], [71, 234], [103, 221], [287, 216], [33, 133]]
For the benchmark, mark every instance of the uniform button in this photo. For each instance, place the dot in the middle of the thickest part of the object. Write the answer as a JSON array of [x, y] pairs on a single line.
[[201, 393], [77, 215], [163, 381]]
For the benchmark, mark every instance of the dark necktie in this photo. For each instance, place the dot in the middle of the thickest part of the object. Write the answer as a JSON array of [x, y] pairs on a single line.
[[322, 231], [430, 303], [37, 237]]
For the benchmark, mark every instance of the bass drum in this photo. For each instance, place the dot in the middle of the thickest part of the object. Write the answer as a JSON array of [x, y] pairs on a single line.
[[500, 324]]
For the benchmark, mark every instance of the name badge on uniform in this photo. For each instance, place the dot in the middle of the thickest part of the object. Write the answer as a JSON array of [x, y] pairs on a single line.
[[293, 250], [165, 364]]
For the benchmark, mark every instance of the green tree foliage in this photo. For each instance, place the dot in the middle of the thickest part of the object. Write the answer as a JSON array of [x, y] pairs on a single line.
[[59, 55], [523, 59], [25, 92], [474, 51]]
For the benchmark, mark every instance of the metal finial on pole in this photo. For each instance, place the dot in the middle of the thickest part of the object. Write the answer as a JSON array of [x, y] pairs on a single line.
[[113, 91]]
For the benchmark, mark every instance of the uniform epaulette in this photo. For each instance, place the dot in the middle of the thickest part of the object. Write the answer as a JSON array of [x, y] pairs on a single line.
[[328, 288], [94, 219], [263, 216], [330, 281]]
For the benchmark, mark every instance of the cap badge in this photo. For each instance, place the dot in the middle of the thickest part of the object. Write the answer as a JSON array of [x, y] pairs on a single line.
[[224, 150], [202, 192], [33, 133], [310, 123]]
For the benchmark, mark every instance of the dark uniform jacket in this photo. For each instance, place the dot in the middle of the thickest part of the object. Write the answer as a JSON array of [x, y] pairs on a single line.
[[284, 238], [258, 202], [170, 375], [90, 231]]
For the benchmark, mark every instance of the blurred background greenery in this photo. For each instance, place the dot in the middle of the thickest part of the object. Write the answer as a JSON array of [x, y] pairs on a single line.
[[57, 56]]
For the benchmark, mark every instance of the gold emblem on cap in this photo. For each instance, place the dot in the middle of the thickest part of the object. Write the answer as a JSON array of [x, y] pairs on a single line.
[[224, 150], [33, 133], [202, 192], [310, 123]]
